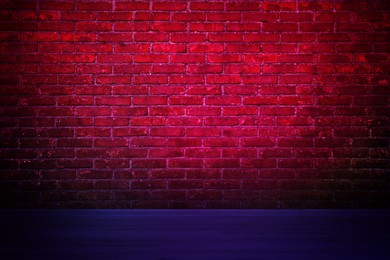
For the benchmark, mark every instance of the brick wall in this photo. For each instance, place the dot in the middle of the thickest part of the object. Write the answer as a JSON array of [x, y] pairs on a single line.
[[194, 104]]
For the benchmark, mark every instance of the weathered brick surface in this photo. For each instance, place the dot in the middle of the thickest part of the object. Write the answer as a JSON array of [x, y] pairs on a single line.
[[195, 104]]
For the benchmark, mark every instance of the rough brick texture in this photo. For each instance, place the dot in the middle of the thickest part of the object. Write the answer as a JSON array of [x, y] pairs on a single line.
[[195, 104]]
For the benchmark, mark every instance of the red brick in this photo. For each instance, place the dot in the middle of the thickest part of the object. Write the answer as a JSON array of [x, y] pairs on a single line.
[[202, 152], [202, 132], [315, 6], [188, 37], [148, 142], [282, 6], [132, 48], [206, 6], [222, 163], [92, 69], [134, 69], [131, 26], [238, 111], [222, 184], [74, 163], [118, 132], [77, 58], [95, 6], [151, 79], [206, 27], [90, 90], [131, 6], [221, 121], [257, 142], [260, 101], [113, 80], [88, 132], [259, 17], [243, 27], [148, 121], [223, 58], [101, 121], [335, 58], [334, 37], [58, 6], [78, 16], [261, 184], [205, 69], [40, 36], [184, 142], [149, 100], [240, 131], [185, 163], [74, 101], [224, 17], [186, 79], [204, 111], [86, 111], [191, 100], [56, 47], [151, 37], [187, 58], [246, 69], [148, 163], [174, 90], [93, 27], [316, 27], [74, 121], [294, 100], [117, 101], [147, 16], [57, 27], [207, 48], [239, 153], [277, 111], [110, 16], [225, 37], [169, 6], [163, 69], [219, 142], [166, 111], [151, 58], [169, 48], [168, 27], [166, 153], [280, 27], [222, 100], [204, 90], [223, 79], [167, 131]]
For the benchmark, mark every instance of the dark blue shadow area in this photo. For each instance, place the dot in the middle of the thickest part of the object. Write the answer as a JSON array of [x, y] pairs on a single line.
[[195, 234]]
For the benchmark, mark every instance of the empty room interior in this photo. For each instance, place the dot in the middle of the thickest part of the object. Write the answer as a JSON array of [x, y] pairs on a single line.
[[194, 129]]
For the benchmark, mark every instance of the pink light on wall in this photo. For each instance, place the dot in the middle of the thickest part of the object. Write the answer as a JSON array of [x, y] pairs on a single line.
[[191, 104]]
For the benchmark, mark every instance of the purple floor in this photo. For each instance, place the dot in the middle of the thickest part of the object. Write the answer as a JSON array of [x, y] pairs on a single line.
[[195, 234]]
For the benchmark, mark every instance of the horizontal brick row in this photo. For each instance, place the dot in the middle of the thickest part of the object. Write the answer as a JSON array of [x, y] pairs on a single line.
[[90, 5]]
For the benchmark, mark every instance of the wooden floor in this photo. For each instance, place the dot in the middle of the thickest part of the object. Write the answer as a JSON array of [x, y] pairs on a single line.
[[195, 234]]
